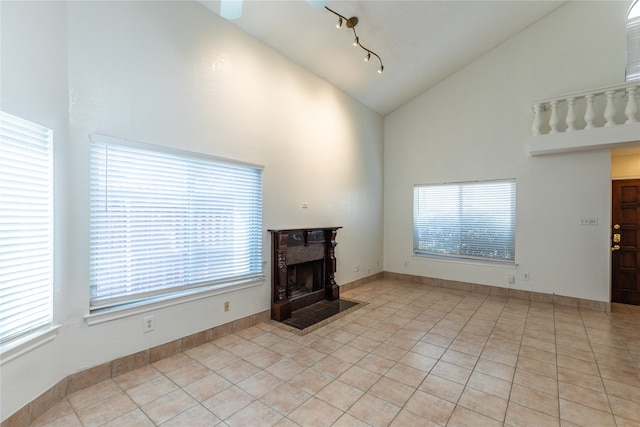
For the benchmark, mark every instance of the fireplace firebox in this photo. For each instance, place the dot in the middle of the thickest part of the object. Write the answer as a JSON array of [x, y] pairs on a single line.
[[303, 269]]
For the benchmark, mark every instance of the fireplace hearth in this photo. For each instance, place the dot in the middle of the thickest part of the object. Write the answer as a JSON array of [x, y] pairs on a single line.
[[303, 269]]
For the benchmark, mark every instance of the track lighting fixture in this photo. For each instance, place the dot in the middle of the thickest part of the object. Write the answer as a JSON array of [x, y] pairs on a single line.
[[351, 23]]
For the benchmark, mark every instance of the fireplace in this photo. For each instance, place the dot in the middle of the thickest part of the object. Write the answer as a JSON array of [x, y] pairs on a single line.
[[303, 269], [304, 278]]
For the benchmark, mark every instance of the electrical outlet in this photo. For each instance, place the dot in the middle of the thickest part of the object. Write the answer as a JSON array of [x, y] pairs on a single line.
[[148, 324], [226, 306], [356, 268], [526, 276]]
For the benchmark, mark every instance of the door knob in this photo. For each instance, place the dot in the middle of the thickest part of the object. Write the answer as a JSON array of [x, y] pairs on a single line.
[[616, 227], [615, 248]]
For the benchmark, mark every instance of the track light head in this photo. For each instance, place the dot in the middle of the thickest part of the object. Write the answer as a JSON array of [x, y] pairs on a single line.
[[368, 57], [339, 24], [356, 41], [381, 69]]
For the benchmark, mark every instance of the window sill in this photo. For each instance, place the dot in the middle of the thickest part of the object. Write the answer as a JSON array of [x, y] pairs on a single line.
[[20, 346], [467, 261], [114, 313]]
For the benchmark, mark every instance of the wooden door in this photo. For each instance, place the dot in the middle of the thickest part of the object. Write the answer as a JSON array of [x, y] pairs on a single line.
[[625, 238]]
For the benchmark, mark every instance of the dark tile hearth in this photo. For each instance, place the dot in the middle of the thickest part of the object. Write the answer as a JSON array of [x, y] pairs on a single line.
[[315, 313]]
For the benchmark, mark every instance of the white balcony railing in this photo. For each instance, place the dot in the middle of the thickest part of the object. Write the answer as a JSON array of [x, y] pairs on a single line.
[[593, 116], [556, 120]]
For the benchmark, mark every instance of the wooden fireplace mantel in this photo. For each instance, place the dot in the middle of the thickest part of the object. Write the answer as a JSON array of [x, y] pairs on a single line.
[[291, 247]]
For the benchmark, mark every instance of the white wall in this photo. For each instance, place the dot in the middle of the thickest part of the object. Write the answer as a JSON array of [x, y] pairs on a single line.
[[175, 74], [33, 85], [475, 125]]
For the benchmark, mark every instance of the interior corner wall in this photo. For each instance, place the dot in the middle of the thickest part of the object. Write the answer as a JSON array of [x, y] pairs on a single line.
[[173, 73], [475, 125]]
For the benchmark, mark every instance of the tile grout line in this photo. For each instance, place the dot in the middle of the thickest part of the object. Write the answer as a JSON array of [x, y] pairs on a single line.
[[598, 366]]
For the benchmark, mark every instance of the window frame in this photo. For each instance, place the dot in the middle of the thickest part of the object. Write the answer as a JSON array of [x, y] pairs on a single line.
[[102, 310], [445, 251], [26, 130]]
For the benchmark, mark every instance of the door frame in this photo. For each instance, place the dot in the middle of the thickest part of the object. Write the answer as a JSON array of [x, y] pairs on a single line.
[[611, 231]]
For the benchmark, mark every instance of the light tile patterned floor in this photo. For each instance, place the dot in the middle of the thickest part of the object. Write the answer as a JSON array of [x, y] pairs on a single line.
[[414, 356]]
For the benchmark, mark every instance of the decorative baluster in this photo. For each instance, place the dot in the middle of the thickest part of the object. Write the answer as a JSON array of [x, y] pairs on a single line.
[[589, 114], [537, 119], [594, 113], [610, 110], [632, 106], [553, 119], [571, 115]]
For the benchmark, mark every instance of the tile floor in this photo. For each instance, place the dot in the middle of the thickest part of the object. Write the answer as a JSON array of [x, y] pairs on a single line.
[[413, 356]]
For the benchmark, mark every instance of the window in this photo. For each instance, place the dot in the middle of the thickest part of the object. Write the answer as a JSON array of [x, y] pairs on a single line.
[[465, 220], [26, 226], [167, 222], [633, 42]]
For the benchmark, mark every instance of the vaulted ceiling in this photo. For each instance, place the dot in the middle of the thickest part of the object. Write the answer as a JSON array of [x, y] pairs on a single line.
[[420, 42]]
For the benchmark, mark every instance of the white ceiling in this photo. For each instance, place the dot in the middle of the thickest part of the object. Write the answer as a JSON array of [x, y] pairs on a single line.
[[420, 42]]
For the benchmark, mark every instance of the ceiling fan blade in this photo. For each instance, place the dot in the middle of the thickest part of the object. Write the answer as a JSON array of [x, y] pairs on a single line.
[[317, 4], [231, 9]]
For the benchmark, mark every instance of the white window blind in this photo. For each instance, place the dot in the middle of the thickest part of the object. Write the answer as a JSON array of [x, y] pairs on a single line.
[[26, 226], [465, 220], [169, 222], [633, 43]]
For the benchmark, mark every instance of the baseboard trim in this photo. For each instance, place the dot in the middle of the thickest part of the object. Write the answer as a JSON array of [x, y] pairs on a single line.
[[503, 292], [88, 377], [363, 281]]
